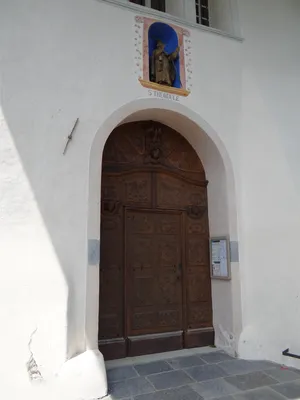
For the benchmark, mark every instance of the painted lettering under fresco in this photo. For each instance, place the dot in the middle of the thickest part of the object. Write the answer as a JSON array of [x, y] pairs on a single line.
[[162, 95]]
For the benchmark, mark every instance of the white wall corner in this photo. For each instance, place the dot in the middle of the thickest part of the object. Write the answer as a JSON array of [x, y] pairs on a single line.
[[84, 376]]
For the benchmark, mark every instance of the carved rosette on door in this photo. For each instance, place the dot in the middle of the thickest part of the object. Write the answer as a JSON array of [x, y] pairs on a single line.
[[155, 289]]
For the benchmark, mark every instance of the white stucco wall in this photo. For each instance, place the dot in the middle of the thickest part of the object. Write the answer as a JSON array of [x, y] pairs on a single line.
[[224, 15], [61, 60], [270, 180]]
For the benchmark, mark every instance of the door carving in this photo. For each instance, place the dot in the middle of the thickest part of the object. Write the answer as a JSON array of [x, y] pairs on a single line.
[[154, 281], [155, 289]]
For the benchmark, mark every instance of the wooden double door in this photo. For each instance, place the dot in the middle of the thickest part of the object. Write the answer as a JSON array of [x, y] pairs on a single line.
[[155, 289]]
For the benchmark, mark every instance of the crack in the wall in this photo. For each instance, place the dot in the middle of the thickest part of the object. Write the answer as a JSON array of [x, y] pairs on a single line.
[[32, 367]]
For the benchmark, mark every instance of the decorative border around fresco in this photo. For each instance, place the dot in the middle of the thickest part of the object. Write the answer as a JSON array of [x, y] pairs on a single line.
[[142, 58]]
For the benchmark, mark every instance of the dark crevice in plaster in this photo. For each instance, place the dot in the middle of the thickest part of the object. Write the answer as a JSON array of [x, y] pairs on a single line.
[[31, 365]]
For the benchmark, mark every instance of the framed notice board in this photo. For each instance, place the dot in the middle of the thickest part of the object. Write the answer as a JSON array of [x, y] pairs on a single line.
[[220, 258]]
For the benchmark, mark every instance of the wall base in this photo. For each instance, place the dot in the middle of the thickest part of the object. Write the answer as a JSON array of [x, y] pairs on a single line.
[[84, 376]]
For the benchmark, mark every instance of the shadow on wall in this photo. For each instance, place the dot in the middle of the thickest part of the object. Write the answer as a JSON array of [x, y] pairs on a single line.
[[47, 74]]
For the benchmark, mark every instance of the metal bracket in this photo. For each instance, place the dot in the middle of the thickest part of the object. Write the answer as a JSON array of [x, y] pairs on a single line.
[[288, 354], [70, 136]]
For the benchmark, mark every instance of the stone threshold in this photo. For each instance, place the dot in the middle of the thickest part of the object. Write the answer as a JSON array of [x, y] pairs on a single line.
[[158, 357]]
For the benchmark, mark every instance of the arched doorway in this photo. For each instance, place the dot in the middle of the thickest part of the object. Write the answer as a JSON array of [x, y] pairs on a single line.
[[155, 288]]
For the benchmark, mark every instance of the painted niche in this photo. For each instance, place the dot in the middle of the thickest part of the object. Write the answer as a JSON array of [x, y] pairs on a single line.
[[163, 56]]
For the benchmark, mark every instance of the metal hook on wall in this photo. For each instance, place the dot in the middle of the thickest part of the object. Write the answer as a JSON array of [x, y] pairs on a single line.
[[70, 136]]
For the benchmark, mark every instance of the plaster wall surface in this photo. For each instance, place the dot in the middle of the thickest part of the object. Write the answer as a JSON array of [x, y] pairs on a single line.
[[270, 180], [224, 15], [63, 60]]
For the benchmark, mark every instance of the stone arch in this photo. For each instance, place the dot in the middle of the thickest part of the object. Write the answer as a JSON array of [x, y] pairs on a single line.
[[219, 171]]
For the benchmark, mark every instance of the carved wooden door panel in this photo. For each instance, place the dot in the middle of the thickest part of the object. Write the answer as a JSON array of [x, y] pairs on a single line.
[[191, 197], [155, 289], [199, 331], [111, 301], [153, 280]]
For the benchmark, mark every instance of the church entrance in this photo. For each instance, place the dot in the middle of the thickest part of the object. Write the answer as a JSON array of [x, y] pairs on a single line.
[[155, 288]]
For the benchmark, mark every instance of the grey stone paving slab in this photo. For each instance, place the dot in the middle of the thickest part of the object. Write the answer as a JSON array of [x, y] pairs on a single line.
[[291, 390], [205, 372], [283, 375], [213, 375], [236, 367], [249, 381], [169, 380], [215, 357], [225, 398], [118, 390], [262, 365], [264, 393], [154, 367], [214, 388], [130, 387], [185, 362], [181, 393], [109, 397], [120, 374]]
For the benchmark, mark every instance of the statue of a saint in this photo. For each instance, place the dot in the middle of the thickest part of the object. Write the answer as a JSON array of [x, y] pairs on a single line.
[[162, 67]]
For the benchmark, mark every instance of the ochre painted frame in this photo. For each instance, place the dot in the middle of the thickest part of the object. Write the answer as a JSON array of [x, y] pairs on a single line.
[[181, 32], [162, 88]]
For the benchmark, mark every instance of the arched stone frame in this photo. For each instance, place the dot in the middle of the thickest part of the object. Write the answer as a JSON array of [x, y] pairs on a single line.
[[217, 164]]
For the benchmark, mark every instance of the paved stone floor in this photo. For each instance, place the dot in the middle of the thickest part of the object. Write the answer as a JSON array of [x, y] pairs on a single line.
[[209, 375]]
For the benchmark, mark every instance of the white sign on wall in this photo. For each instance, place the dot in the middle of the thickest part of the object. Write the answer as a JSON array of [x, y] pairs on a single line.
[[220, 263]]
